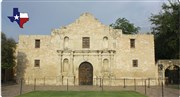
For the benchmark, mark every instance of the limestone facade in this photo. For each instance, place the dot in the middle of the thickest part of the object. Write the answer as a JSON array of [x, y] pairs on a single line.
[[109, 53]]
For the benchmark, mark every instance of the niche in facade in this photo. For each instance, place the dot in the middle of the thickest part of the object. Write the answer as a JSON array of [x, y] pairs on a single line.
[[65, 65], [66, 42], [105, 65], [105, 42]]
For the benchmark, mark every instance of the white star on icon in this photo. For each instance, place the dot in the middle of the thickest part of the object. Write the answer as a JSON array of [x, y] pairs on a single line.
[[16, 17]]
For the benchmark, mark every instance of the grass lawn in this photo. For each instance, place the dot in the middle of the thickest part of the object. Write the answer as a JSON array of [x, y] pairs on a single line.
[[82, 94]]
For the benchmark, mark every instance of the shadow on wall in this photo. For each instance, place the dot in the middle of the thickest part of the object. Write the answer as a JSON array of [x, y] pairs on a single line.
[[21, 66]]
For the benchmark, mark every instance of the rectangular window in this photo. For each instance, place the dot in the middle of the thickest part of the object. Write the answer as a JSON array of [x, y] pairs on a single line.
[[135, 63], [85, 42], [36, 63], [132, 43], [37, 43]]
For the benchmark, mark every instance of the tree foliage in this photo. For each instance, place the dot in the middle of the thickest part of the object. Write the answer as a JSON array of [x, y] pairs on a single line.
[[126, 26], [166, 30], [8, 46]]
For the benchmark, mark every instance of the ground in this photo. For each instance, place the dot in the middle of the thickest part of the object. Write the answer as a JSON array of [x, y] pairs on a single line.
[[83, 94], [174, 86], [152, 91]]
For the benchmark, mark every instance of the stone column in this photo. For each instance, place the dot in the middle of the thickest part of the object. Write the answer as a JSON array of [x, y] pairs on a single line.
[[71, 66], [112, 61], [111, 67], [99, 67], [100, 62], [59, 78], [60, 62], [72, 62]]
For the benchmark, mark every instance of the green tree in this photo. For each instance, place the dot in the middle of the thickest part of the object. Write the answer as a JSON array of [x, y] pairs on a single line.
[[166, 31], [126, 26], [8, 46]]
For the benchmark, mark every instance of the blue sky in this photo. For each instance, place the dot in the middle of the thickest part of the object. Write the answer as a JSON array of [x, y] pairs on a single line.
[[47, 15]]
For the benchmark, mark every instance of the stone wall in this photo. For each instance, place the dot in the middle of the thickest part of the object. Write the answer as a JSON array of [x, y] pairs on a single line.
[[163, 65], [109, 48]]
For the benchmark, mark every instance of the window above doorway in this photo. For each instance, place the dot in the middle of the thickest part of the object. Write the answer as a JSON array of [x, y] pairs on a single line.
[[86, 42]]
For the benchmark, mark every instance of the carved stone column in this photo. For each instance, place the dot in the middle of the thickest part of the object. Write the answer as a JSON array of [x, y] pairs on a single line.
[[59, 77], [100, 63], [60, 62], [72, 63], [111, 61]]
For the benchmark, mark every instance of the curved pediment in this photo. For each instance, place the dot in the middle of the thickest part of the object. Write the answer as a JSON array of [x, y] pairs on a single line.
[[86, 24], [86, 20]]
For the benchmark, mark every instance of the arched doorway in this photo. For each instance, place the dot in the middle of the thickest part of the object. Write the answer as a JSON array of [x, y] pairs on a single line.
[[85, 74], [172, 75]]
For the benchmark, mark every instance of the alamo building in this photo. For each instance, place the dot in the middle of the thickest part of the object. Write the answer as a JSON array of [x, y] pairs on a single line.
[[84, 52]]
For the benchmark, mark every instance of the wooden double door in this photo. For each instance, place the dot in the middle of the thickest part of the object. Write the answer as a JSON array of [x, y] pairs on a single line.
[[85, 74]]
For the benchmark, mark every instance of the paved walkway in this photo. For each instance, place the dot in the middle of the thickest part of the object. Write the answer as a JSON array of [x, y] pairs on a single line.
[[14, 90]]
